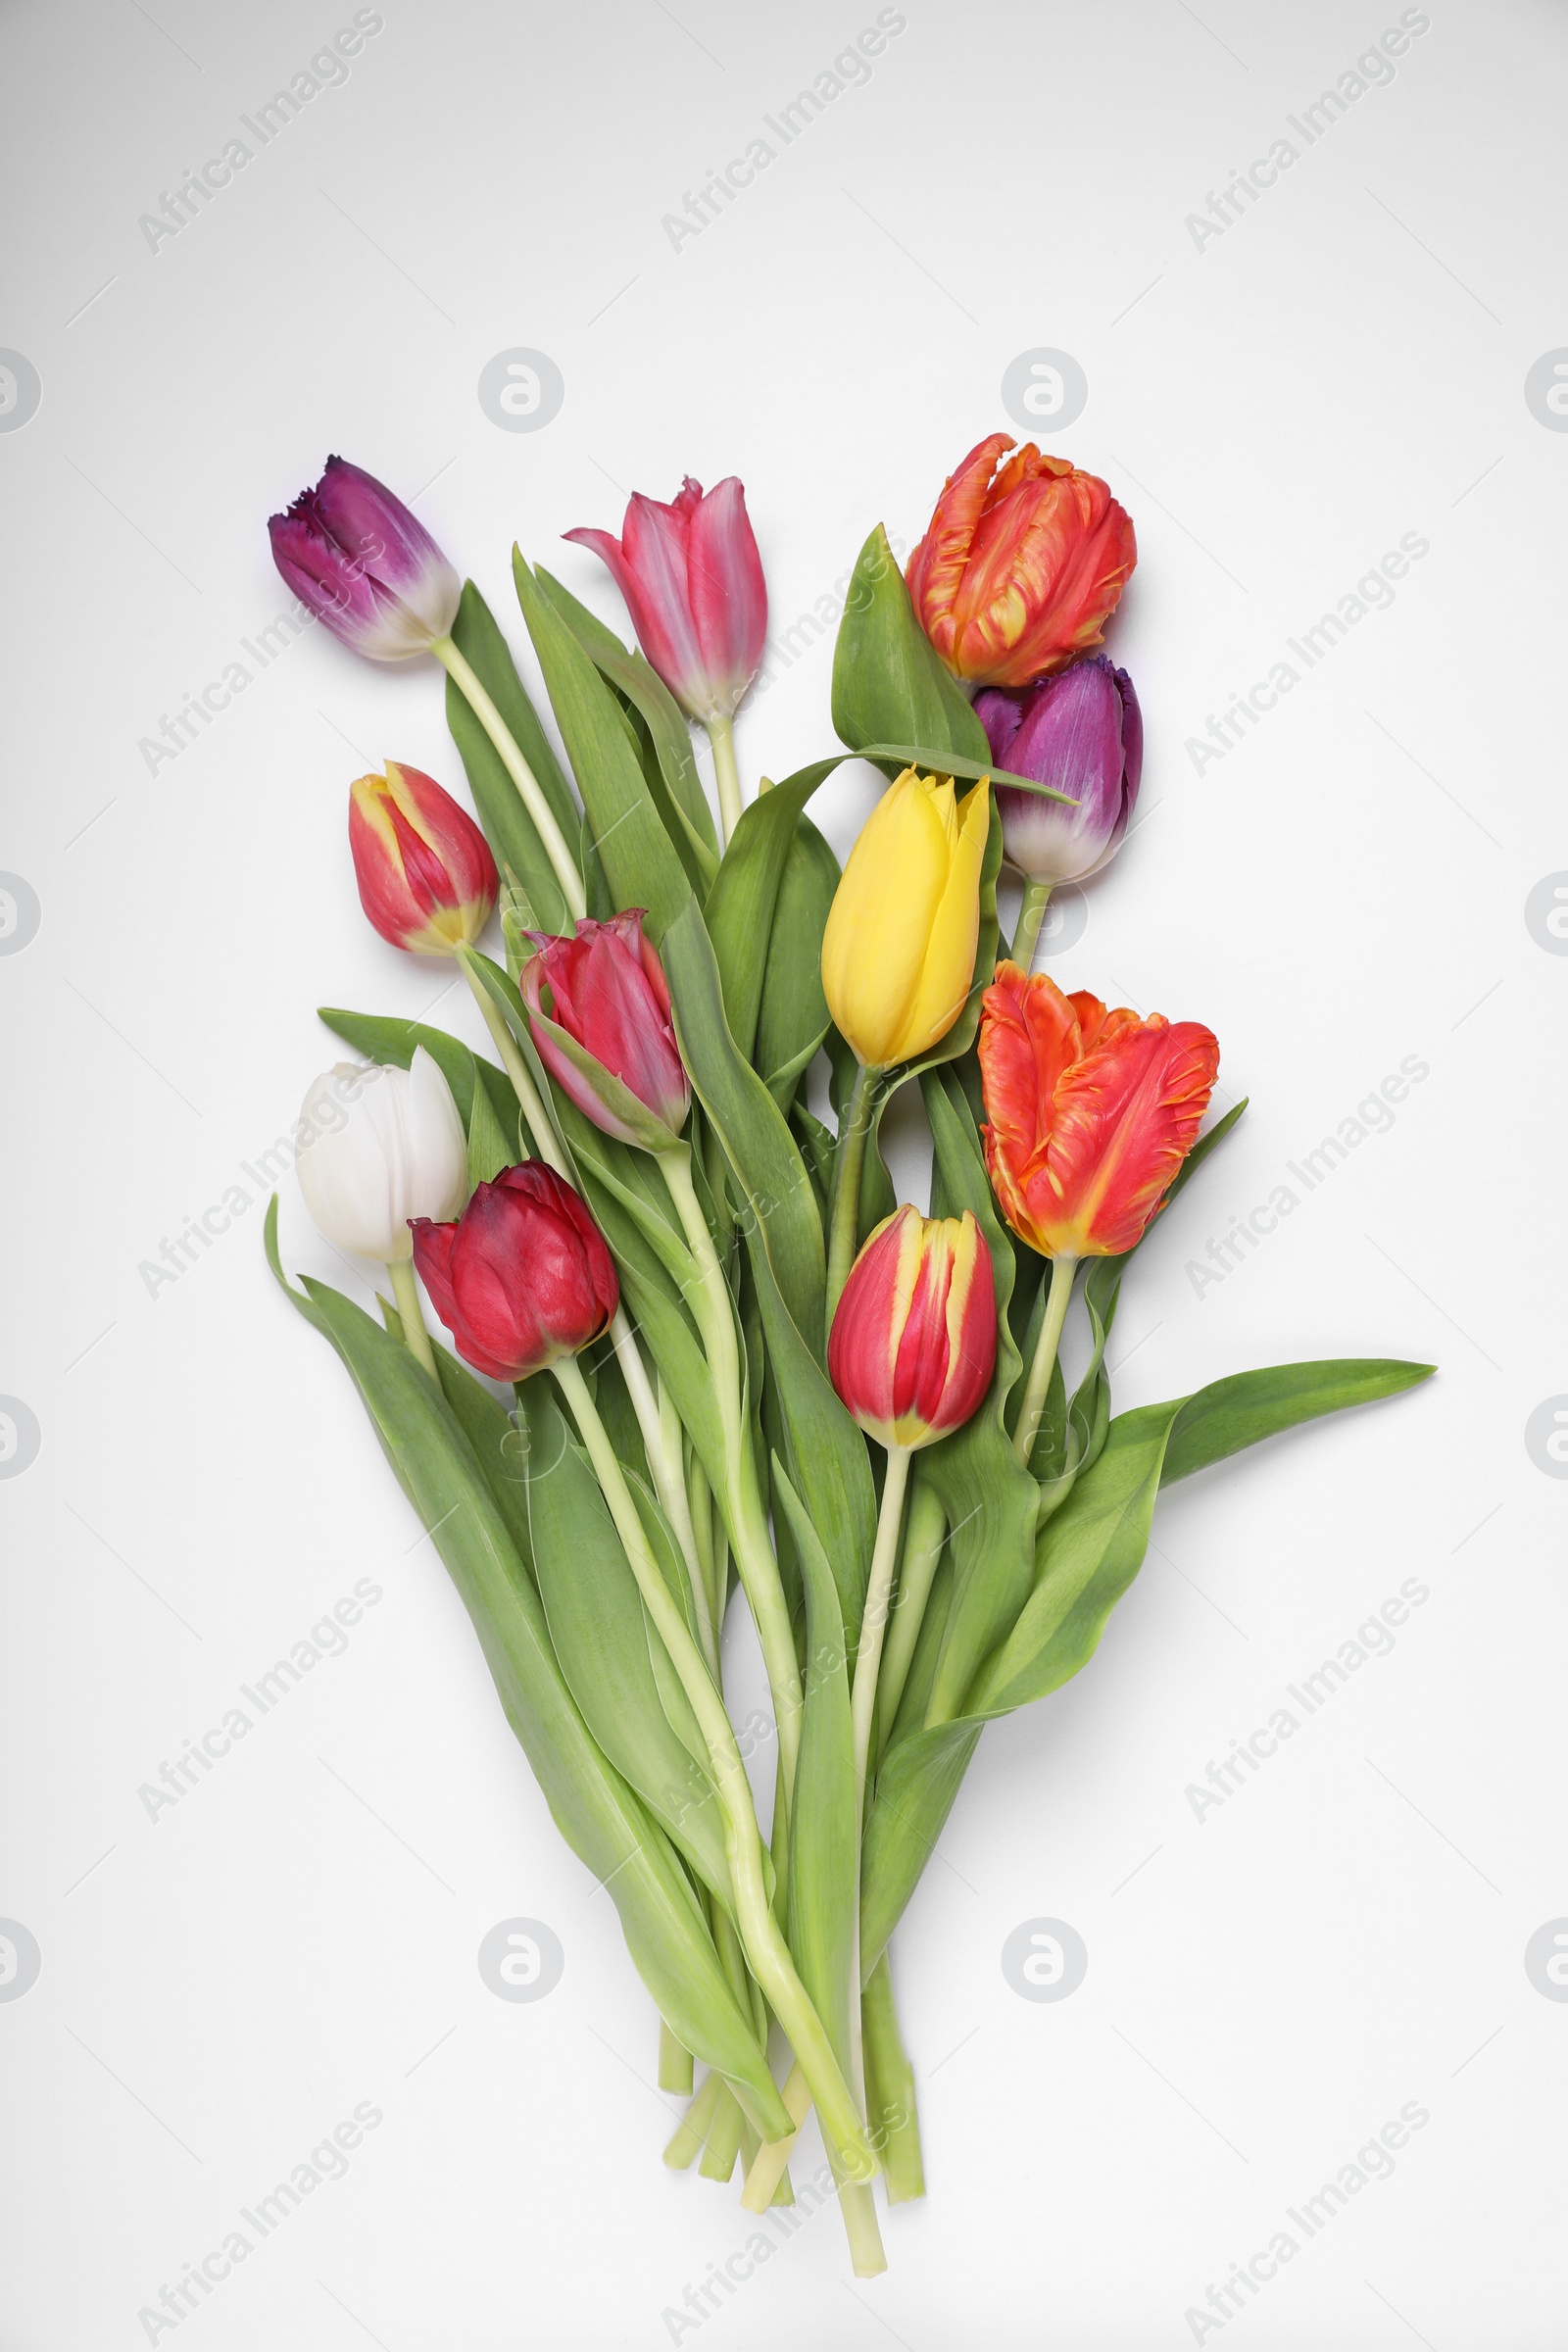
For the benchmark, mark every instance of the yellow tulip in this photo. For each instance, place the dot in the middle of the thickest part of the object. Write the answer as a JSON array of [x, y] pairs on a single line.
[[898, 954]]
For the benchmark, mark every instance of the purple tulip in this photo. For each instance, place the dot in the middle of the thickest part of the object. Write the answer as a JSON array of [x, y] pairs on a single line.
[[1081, 732], [364, 565]]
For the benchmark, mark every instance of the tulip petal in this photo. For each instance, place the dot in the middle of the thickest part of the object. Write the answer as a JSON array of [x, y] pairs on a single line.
[[727, 591], [947, 971], [878, 933]]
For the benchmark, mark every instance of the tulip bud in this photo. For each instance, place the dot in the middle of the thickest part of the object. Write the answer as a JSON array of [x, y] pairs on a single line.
[[1020, 570], [426, 878], [1091, 1113], [898, 953], [364, 565], [914, 1340], [380, 1147], [1081, 733], [605, 1033], [693, 583], [523, 1277]]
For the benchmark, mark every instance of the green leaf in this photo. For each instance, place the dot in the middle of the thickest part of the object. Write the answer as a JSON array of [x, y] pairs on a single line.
[[988, 1497], [1087, 1555], [504, 820], [740, 908], [793, 1016], [896, 757], [387, 1039], [888, 684], [750, 1125], [1249, 1406], [492, 1146], [598, 1813], [603, 1639], [639, 858], [684, 809], [824, 1849]]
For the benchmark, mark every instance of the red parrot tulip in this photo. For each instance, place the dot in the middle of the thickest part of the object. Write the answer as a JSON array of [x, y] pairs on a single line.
[[1091, 1113], [1020, 568]]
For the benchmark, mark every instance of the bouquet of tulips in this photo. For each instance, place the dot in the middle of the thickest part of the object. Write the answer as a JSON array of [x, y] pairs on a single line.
[[696, 1342]]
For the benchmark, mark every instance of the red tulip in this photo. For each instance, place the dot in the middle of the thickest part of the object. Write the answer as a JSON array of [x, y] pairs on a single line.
[[523, 1277], [605, 1033], [426, 878], [915, 1338], [1020, 570], [693, 583], [1091, 1112]]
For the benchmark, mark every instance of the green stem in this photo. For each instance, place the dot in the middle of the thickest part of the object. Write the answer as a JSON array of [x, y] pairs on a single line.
[[923, 1537], [772, 2158], [691, 2133], [1062, 1270], [874, 1620], [552, 840], [891, 2119], [668, 1483], [727, 775], [848, 1162], [674, 2062], [411, 1315], [765, 1949], [529, 1100], [747, 1522], [1031, 914]]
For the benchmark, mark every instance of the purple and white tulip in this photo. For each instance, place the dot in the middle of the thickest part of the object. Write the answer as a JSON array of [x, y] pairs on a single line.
[[366, 566], [1081, 733]]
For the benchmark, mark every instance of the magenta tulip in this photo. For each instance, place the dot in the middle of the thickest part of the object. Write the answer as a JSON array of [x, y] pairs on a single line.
[[598, 1009]]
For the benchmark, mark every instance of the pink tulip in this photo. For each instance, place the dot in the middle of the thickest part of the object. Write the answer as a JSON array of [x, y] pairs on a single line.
[[693, 583], [605, 1034]]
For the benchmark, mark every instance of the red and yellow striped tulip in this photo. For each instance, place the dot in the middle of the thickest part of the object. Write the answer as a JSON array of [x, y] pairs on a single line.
[[914, 1340], [1021, 565], [427, 880], [1090, 1113]]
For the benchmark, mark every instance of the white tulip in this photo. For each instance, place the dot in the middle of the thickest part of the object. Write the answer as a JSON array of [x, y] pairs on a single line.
[[378, 1146]]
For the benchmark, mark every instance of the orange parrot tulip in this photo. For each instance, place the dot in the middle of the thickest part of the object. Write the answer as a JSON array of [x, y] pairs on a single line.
[[1091, 1112], [1020, 568]]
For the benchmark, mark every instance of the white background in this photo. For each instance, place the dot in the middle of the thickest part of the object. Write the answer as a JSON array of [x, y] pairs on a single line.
[[1342, 366]]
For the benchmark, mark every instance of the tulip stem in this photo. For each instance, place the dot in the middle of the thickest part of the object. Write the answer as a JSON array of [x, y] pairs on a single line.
[[1031, 914], [552, 840], [715, 1312], [874, 1618], [843, 1226], [669, 1485], [925, 1535], [727, 775], [765, 1949], [412, 1316], [1062, 1270]]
